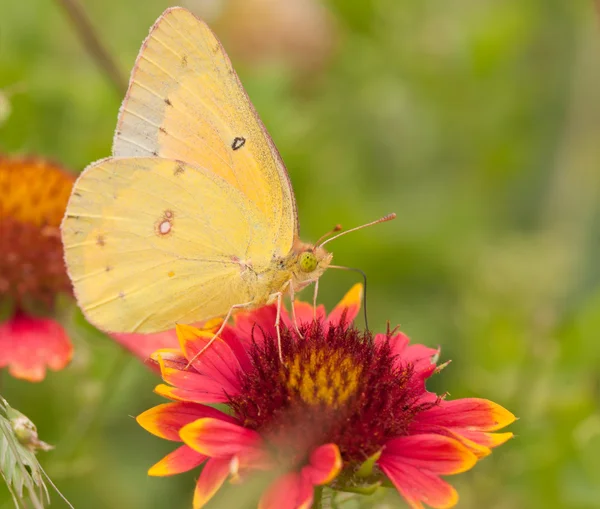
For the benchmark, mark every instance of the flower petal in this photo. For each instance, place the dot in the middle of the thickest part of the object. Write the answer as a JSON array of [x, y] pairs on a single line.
[[220, 439], [29, 345], [418, 486], [181, 460], [350, 304], [437, 453], [304, 314], [414, 463], [325, 464], [217, 362], [167, 419], [255, 324], [468, 420], [290, 491], [469, 413], [189, 384], [143, 345], [211, 479]]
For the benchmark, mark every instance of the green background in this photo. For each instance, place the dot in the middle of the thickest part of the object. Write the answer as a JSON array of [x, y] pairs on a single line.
[[477, 122]]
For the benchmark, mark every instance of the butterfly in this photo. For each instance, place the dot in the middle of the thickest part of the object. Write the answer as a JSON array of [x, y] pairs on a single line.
[[193, 217]]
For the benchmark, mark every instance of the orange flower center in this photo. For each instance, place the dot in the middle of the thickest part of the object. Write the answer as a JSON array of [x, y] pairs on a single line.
[[34, 197]]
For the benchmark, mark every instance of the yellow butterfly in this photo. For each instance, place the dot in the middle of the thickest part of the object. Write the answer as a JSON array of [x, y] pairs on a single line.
[[194, 215]]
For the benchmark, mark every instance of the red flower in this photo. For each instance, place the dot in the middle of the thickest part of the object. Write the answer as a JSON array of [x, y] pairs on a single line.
[[32, 273], [345, 409]]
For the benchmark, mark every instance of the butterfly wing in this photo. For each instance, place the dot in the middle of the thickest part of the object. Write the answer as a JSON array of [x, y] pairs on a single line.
[[186, 102], [150, 242]]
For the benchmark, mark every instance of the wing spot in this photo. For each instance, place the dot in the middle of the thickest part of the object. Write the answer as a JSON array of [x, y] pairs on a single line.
[[162, 130], [184, 61], [238, 142], [108, 268], [100, 241], [179, 169], [122, 295], [171, 273], [168, 102], [77, 194], [164, 225], [155, 153]]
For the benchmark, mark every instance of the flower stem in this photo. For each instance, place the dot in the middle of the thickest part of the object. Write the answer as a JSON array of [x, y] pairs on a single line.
[[318, 498], [93, 44]]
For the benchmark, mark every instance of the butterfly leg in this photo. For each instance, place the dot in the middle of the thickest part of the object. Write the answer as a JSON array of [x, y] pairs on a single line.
[[220, 330], [277, 323], [315, 300], [294, 319]]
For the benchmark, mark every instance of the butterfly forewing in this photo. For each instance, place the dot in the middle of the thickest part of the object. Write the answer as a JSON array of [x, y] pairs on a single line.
[[186, 102]]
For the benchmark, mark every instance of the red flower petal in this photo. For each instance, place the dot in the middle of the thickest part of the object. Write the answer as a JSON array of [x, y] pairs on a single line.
[[349, 304], [181, 460], [290, 491], [467, 420], [414, 463], [217, 362], [218, 438], [211, 479], [29, 345], [143, 345], [469, 413], [304, 314], [436, 453], [258, 321], [166, 420], [418, 486], [325, 464], [189, 384]]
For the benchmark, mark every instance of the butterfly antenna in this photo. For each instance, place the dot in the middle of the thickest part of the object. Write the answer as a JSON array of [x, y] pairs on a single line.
[[383, 219], [362, 273], [335, 229]]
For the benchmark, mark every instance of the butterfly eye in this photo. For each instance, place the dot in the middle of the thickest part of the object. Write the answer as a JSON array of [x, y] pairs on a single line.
[[307, 261]]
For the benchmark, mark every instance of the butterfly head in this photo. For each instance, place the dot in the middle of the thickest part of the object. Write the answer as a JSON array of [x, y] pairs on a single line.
[[309, 264]]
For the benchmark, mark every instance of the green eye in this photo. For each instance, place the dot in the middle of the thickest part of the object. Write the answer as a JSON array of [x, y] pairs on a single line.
[[307, 261]]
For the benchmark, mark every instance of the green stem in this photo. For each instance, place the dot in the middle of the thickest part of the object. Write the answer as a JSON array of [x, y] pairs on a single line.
[[318, 498]]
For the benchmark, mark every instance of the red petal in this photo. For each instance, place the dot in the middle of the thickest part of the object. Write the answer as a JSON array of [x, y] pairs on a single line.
[[435, 453], [220, 439], [290, 491], [414, 463], [255, 324], [166, 420], [304, 314], [217, 362], [212, 394], [418, 486], [143, 345], [189, 384], [468, 420], [349, 304], [29, 345], [211, 479], [467, 413], [325, 464], [181, 460]]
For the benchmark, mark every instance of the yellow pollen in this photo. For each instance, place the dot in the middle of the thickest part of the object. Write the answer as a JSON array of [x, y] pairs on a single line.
[[34, 191], [327, 377]]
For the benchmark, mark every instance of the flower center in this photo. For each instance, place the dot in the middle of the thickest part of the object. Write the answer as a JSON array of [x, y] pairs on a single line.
[[336, 385], [328, 377], [34, 198]]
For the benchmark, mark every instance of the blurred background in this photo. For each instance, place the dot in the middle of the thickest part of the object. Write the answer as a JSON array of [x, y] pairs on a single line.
[[477, 122]]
